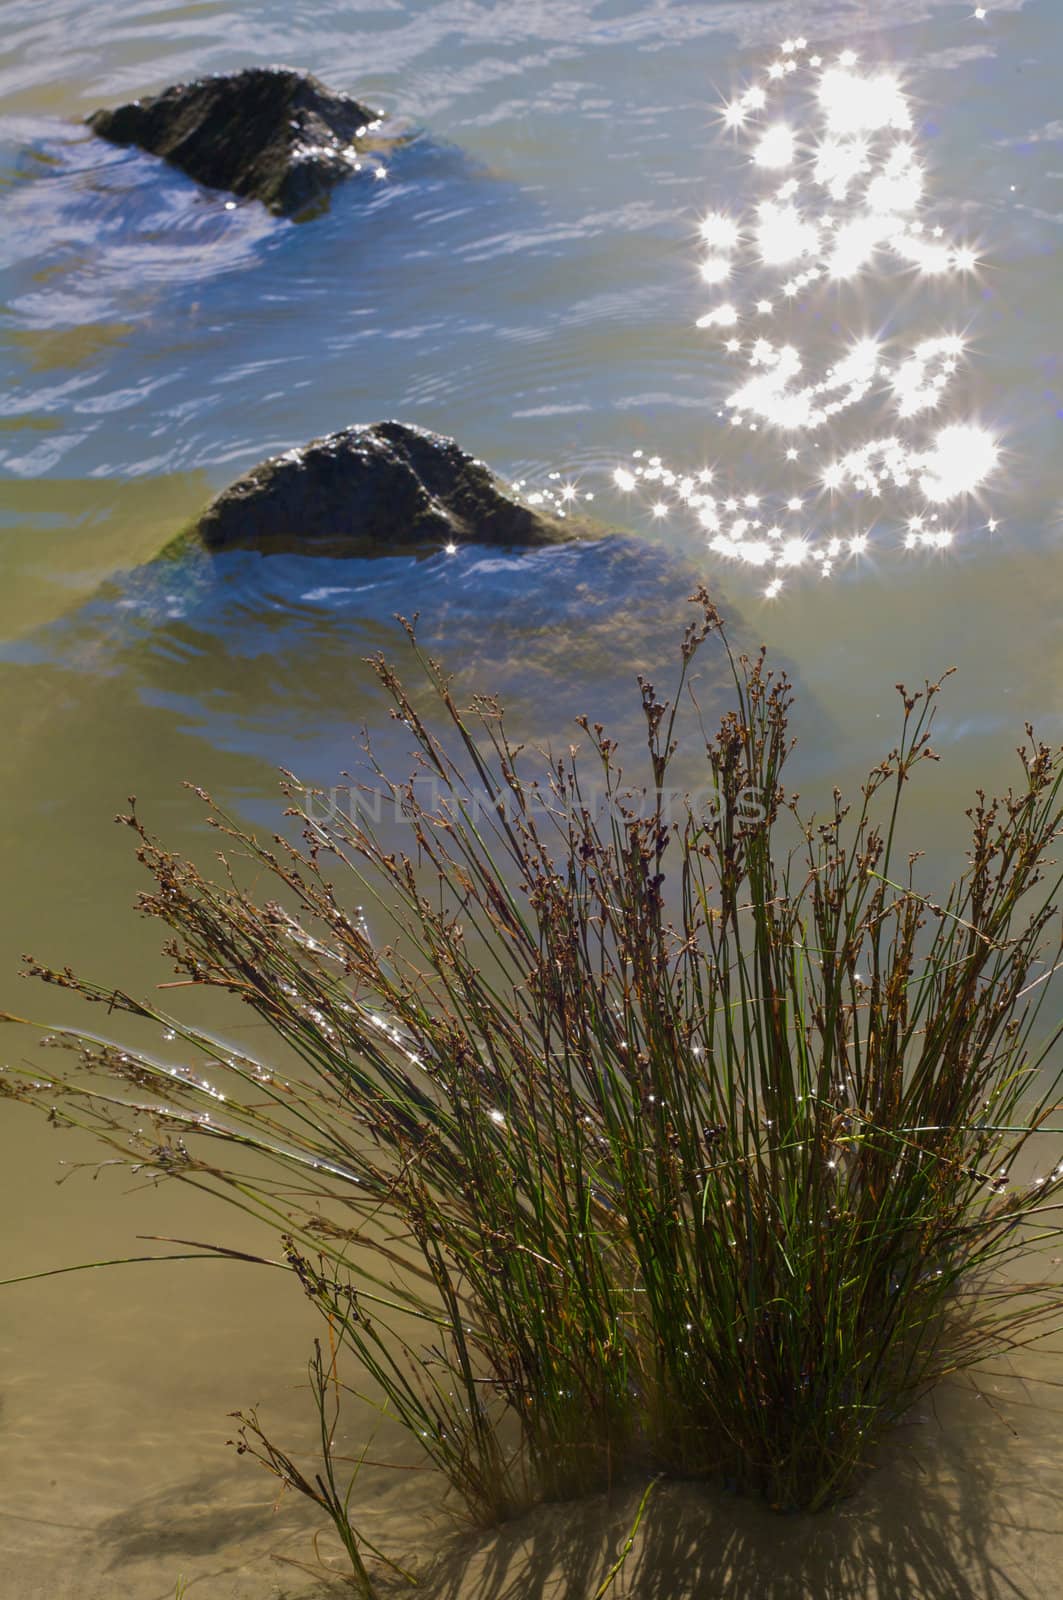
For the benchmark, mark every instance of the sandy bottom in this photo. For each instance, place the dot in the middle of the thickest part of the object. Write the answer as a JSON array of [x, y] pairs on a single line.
[[965, 1503]]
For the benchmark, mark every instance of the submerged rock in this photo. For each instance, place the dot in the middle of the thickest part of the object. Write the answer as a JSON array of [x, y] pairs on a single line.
[[371, 489], [267, 133]]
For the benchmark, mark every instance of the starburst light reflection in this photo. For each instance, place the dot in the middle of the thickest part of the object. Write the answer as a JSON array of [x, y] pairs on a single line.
[[862, 443]]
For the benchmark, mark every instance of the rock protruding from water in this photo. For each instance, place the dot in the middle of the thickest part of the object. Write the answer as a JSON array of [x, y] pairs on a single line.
[[373, 489], [268, 133]]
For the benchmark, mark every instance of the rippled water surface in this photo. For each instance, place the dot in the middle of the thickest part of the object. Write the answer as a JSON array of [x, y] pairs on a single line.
[[858, 448]]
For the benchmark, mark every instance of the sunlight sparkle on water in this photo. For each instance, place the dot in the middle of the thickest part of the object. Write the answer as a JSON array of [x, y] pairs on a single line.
[[961, 457], [724, 316], [836, 206], [775, 147], [715, 269], [720, 232], [850, 206], [856, 102]]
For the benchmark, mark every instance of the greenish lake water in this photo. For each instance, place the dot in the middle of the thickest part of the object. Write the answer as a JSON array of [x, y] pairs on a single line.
[[529, 278]]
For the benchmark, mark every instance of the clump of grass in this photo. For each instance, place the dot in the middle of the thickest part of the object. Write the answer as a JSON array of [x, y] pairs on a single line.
[[641, 1139]]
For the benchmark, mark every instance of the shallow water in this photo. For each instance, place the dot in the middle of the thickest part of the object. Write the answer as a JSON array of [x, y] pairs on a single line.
[[526, 277]]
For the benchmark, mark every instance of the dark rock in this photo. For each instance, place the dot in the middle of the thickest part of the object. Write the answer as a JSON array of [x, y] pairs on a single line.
[[267, 133], [372, 489]]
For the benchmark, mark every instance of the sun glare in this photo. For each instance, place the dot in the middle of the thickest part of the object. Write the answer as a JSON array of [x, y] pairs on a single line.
[[837, 204]]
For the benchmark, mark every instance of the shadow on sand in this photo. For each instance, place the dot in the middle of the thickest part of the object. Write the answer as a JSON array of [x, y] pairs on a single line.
[[935, 1521]]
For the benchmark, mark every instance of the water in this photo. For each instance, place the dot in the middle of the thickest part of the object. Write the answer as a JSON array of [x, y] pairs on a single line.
[[527, 278]]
